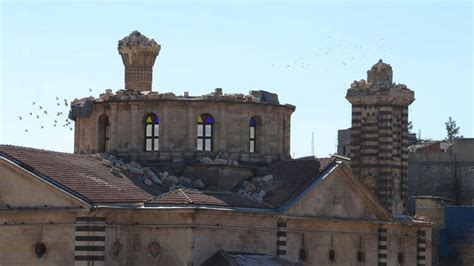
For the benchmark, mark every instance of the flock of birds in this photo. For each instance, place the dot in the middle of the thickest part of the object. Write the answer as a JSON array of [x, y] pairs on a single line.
[[57, 119], [335, 51], [338, 50]]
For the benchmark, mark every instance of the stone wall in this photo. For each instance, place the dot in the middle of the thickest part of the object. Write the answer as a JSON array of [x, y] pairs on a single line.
[[188, 237], [448, 174], [178, 129]]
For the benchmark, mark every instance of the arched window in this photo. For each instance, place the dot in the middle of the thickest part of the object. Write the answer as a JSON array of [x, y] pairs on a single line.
[[152, 132], [103, 134], [253, 135], [204, 132]]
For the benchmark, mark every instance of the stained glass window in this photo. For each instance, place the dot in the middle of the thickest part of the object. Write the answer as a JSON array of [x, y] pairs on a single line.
[[152, 132], [204, 132], [253, 134]]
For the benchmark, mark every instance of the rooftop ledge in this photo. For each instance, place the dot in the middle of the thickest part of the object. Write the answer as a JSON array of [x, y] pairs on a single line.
[[255, 96]]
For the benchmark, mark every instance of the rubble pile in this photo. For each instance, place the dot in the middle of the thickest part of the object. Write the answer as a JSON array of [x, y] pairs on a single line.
[[219, 161], [254, 188], [146, 175]]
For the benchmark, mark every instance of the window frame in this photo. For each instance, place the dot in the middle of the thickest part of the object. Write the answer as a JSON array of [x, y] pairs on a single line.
[[155, 122], [202, 122], [254, 138]]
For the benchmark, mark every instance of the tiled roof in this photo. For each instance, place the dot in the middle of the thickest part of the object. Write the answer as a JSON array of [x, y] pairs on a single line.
[[90, 180], [291, 177], [80, 175], [195, 197]]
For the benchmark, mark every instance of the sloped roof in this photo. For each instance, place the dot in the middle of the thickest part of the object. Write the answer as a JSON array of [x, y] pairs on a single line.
[[226, 258], [196, 197], [80, 175], [291, 177], [90, 180]]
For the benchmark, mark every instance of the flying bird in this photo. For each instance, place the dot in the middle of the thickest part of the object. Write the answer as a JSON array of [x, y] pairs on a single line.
[[46, 112], [34, 103], [37, 116], [41, 107], [90, 90], [31, 113], [57, 98], [20, 117]]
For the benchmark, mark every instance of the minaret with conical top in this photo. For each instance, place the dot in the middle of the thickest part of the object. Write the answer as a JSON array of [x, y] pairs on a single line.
[[379, 135], [138, 56]]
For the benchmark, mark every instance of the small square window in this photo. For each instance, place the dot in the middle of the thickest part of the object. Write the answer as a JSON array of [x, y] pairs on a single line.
[[149, 130], [200, 130], [208, 131], [208, 144], [200, 144], [148, 144], [156, 143]]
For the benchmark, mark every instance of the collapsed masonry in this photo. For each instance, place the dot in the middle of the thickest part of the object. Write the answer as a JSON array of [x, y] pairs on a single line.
[[251, 185]]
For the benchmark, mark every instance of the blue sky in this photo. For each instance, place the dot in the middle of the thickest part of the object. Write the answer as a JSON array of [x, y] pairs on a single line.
[[308, 53]]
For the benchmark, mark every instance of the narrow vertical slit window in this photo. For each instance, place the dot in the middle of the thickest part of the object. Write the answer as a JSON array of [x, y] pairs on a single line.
[[103, 134], [253, 135], [152, 132], [205, 132]]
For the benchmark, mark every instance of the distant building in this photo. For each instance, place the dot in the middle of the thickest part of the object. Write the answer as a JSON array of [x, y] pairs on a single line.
[[436, 168], [344, 142]]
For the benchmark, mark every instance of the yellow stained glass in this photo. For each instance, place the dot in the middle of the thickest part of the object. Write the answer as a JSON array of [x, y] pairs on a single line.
[[149, 120], [200, 120]]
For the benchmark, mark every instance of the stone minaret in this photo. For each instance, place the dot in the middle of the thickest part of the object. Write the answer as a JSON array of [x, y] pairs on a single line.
[[379, 138], [138, 55]]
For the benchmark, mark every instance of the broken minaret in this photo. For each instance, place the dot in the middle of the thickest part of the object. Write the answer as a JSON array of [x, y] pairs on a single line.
[[379, 138], [138, 55]]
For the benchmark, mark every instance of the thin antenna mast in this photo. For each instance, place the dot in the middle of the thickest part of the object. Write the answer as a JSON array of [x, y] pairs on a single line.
[[312, 144]]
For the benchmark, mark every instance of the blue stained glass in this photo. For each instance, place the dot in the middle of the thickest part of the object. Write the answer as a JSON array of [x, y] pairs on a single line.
[[252, 122], [157, 120], [208, 120]]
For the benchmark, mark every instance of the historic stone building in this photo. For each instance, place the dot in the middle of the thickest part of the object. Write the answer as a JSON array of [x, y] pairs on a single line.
[[159, 179], [148, 125], [379, 135]]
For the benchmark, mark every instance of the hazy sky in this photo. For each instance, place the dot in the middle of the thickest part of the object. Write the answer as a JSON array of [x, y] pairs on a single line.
[[308, 53]]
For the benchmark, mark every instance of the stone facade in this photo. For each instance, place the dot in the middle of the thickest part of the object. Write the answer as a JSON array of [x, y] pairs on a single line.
[[125, 127], [379, 138]]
